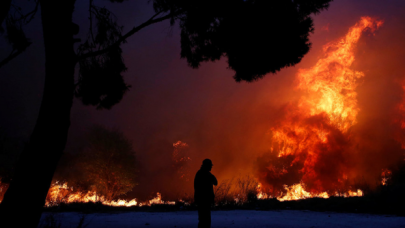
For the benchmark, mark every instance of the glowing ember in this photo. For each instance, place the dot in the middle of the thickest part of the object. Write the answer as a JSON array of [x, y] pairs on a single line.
[[158, 200], [385, 176]]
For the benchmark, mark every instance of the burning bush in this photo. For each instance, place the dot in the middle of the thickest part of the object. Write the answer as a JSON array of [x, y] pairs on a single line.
[[109, 162], [242, 190], [104, 169], [223, 193], [247, 189]]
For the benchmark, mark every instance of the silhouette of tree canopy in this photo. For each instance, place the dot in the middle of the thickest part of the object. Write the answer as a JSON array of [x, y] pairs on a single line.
[[257, 37], [100, 81]]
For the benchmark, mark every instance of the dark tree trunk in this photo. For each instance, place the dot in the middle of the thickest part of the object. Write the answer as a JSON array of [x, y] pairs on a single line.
[[23, 202]]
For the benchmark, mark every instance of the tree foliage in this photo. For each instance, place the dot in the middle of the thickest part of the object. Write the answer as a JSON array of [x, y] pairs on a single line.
[[100, 77], [257, 36]]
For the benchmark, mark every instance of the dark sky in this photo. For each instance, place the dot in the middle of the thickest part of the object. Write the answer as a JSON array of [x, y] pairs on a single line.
[[169, 101]]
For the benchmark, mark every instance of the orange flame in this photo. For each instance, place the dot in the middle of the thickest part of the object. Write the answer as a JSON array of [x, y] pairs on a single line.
[[61, 193], [331, 83], [318, 126]]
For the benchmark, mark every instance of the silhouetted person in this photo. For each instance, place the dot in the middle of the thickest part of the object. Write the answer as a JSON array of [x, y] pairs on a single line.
[[204, 193]]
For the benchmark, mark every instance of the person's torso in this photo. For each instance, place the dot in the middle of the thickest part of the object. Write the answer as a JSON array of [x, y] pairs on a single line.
[[203, 185]]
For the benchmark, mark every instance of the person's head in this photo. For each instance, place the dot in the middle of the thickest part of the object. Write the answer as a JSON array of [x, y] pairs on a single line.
[[207, 164]]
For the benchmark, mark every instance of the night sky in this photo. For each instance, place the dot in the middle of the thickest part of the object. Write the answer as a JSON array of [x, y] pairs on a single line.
[[206, 108]]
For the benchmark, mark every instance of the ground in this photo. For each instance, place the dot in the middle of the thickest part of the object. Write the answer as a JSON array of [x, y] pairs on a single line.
[[231, 219]]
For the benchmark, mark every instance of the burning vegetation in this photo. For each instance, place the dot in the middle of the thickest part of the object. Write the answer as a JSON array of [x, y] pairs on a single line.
[[318, 147], [313, 142]]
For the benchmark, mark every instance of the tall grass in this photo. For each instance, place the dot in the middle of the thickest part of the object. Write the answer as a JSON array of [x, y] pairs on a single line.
[[242, 190]]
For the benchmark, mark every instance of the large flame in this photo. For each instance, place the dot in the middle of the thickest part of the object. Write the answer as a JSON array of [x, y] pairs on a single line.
[[311, 139], [331, 83]]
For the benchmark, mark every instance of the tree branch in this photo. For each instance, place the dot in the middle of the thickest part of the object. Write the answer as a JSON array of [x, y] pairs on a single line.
[[12, 56], [91, 19], [32, 14], [4, 10], [5, 7], [151, 21]]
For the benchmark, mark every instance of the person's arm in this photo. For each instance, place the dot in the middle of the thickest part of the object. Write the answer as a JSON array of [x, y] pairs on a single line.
[[214, 180]]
